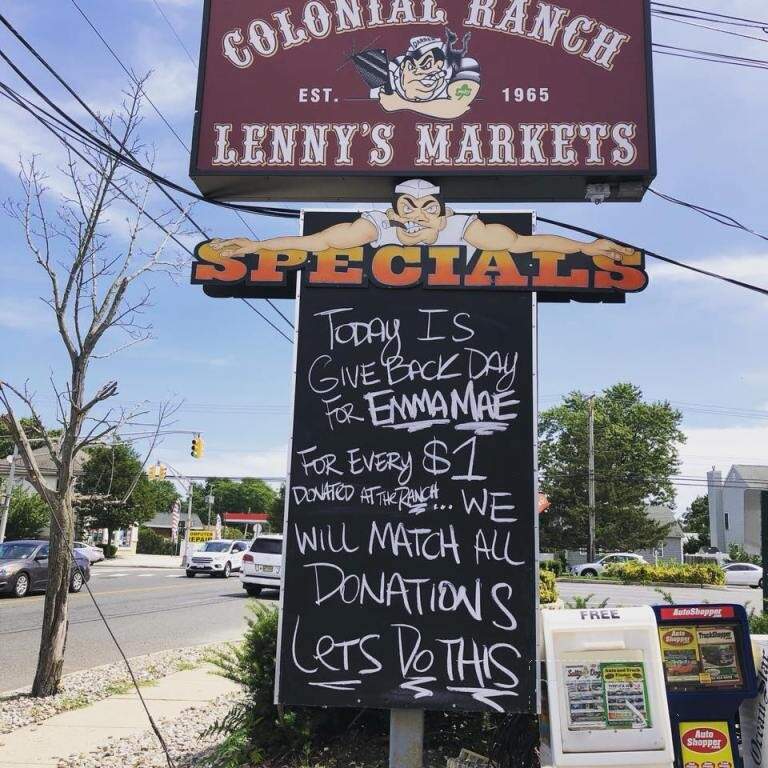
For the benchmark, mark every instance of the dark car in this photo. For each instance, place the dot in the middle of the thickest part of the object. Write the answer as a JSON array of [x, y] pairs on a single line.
[[24, 568]]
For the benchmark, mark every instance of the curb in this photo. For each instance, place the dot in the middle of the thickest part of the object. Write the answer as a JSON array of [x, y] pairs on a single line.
[[675, 585], [136, 565]]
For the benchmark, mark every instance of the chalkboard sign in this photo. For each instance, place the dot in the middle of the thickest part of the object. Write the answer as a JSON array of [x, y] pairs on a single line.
[[409, 557]]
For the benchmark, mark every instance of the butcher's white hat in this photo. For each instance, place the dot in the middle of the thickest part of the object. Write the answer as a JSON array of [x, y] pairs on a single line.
[[417, 188], [421, 45]]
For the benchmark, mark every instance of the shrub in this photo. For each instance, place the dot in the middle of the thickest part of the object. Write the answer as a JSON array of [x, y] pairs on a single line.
[[547, 587], [233, 532], [666, 573], [110, 551], [256, 732], [740, 555], [152, 543], [555, 566], [758, 623], [254, 729]]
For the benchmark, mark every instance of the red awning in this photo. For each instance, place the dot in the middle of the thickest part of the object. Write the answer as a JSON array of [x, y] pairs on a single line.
[[245, 517]]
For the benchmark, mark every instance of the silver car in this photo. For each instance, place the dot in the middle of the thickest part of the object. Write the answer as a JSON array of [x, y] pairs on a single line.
[[24, 568]]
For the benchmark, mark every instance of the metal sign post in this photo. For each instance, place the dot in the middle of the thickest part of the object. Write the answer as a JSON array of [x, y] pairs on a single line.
[[406, 738]]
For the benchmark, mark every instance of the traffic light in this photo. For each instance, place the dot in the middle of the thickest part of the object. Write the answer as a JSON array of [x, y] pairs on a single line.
[[157, 471], [197, 447]]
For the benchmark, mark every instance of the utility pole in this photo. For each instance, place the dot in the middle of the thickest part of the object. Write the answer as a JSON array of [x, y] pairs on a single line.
[[591, 554], [8, 492], [764, 545], [185, 560]]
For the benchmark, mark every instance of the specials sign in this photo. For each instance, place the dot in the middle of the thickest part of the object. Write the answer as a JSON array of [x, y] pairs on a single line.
[[505, 99], [421, 242]]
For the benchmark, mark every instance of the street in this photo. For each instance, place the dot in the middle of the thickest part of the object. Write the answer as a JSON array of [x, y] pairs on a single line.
[[148, 609], [158, 609]]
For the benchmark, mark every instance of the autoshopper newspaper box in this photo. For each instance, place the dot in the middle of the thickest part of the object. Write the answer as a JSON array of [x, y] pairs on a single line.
[[709, 671], [605, 689]]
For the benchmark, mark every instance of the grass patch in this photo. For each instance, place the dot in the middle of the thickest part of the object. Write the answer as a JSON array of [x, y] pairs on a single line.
[[73, 702], [122, 687], [186, 666]]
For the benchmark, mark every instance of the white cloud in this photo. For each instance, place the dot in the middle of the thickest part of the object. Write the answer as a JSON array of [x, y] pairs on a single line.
[[25, 314], [748, 268]]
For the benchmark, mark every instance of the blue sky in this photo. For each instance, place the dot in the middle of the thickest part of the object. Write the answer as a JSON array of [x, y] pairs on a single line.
[[687, 339]]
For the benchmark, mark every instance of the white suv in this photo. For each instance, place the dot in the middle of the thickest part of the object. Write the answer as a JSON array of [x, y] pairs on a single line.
[[218, 557], [262, 564]]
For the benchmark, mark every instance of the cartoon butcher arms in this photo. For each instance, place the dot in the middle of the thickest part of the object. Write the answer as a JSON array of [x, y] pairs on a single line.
[[419, 217]]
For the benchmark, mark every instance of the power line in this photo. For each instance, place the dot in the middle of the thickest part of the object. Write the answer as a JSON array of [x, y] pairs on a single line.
[[710, 56], [723, 18], [163, 118], [19, 100], [175, 33], [82, 134], [708, 27], [130, 74], [716, 216], [666, 259]]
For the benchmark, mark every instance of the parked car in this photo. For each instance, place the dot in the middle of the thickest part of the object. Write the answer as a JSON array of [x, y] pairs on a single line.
[[218, 557], [744, 574], [596, 568], [94, 554], [24, 568], [263, 564]]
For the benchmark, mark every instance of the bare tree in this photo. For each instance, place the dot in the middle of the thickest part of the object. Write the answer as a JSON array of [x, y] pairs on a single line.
[[96, 269]]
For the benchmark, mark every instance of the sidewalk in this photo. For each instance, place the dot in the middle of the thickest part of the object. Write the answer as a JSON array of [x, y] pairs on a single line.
[[141, 561], [89, 728]]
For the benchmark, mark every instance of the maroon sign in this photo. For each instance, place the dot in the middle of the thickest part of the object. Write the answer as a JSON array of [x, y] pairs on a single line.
[[503, 99]]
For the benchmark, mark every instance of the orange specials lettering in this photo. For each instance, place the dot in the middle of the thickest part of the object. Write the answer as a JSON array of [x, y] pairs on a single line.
[[383, 266], [217, 268], [548, 276], [333, 267], [444, 258], [271, 265], [623, 276], [499, 263]]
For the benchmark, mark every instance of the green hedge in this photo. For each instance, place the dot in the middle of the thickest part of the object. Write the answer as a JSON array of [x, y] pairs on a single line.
[[152, 543], [110, 551], [547, 587], [555, 566], [666, 573]]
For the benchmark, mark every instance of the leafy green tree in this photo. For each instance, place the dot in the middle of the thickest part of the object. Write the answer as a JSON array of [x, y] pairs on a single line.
[[32, 430], [635, 458], [276, 512], [247, 495], [27, 516], [116, 493], [696, 520]]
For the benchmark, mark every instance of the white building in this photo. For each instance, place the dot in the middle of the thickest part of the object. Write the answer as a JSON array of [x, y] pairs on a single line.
[[734, 506]]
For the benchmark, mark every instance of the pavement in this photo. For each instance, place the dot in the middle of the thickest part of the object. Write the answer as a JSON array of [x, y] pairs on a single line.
[[149, 610], [141, 561], [86, 729]]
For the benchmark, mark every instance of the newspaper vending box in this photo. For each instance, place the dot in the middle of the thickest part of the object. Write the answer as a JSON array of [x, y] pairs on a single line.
[[605, 689], [709, 671]]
